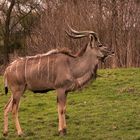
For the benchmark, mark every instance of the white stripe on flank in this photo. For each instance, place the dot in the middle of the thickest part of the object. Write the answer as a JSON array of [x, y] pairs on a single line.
[[26, 70], [39, 64], [16, 69], [10, 68], [48, 68]]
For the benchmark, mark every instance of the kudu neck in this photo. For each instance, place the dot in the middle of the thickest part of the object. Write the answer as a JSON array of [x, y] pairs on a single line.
[[89, 57], [85, 63]]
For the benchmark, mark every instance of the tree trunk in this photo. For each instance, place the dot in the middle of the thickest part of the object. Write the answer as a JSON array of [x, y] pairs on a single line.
[[114, 33], [7, 32]]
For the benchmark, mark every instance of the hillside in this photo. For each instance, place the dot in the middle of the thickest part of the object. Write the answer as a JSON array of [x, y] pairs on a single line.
[[107, 109]]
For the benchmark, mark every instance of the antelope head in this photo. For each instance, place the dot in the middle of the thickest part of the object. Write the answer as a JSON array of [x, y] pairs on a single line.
[[101, 51]]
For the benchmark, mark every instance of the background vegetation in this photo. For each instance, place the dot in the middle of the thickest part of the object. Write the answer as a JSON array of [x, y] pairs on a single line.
[[107, 109], [29, 27]]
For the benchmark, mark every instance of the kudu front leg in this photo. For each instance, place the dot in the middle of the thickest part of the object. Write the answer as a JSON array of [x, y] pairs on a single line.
[[61, 101]]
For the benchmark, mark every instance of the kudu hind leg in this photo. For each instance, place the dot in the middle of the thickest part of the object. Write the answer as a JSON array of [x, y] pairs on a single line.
[[15, 107], [7, 109], [61, 101]]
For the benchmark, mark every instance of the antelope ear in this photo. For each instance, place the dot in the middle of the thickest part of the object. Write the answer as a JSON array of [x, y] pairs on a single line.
[[91, 37]]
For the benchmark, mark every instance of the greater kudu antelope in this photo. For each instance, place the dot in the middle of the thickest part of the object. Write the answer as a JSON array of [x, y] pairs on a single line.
[[56, 70]]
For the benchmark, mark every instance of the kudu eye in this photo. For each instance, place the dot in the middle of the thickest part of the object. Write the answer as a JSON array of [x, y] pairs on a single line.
[[100, 45]]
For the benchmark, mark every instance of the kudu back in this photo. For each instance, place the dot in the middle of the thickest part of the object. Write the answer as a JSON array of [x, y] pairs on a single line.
[[55, 70]]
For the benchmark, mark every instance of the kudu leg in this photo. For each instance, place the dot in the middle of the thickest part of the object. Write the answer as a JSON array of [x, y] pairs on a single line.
[[7, 109], [61, 101], [15, 107]]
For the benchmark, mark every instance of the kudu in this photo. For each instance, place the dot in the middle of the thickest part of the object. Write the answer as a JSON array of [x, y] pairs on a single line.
[[56, 70]]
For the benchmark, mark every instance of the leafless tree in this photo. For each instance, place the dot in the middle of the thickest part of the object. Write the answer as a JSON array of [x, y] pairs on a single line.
[[14, 13], [117, 23]]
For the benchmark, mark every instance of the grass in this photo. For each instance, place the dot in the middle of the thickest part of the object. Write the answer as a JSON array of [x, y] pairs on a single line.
[[108, 109]]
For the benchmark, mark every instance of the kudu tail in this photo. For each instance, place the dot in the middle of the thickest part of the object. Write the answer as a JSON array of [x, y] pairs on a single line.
[[5, 84], [6, 90]]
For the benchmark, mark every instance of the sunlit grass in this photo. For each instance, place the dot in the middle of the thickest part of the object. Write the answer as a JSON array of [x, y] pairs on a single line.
[[107, 109]]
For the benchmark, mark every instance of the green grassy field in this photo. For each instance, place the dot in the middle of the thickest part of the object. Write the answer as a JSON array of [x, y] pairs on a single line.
[[108, 109]]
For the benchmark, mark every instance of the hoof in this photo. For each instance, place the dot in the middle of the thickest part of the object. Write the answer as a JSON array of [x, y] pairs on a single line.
[[63, 132], [5, 134], [21, 134]]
